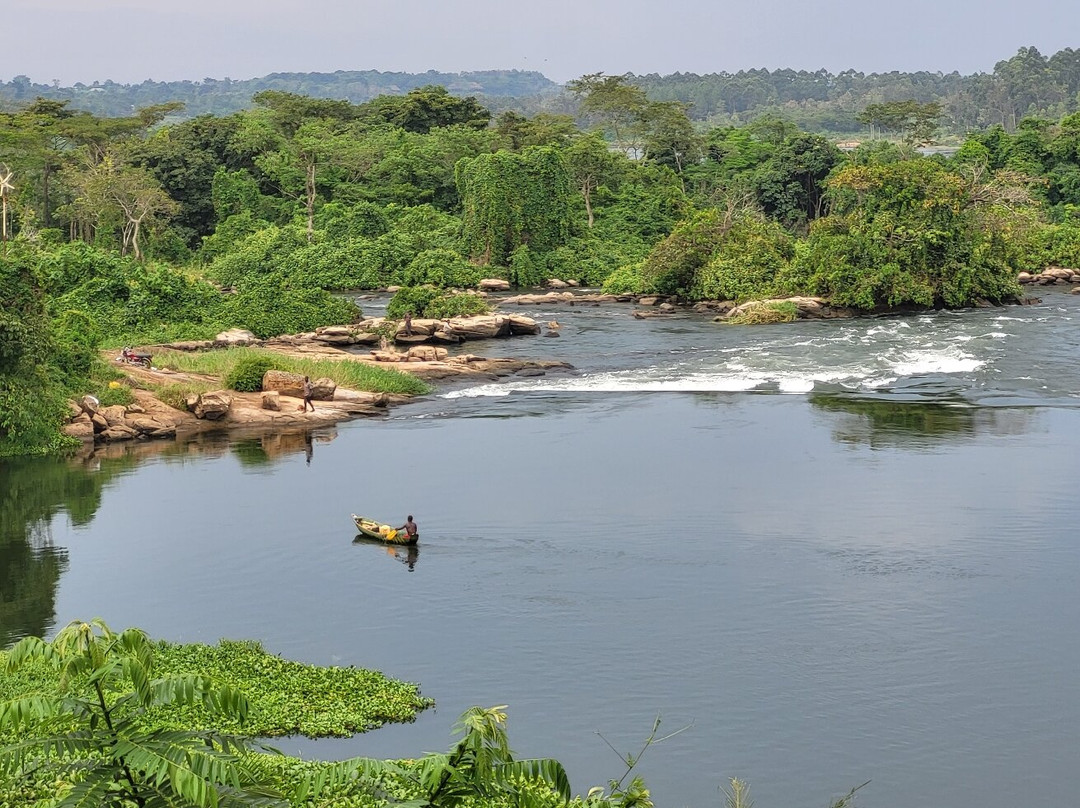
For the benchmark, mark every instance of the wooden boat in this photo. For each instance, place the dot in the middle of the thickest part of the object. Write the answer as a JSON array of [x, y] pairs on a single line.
[[371, 529]]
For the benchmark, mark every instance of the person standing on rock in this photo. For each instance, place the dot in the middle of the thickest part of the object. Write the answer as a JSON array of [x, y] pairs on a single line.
[[308, 392]]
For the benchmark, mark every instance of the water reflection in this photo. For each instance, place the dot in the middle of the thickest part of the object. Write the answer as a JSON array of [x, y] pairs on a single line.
[[406, 555], [263, 450], [32, 493], [919, 425]]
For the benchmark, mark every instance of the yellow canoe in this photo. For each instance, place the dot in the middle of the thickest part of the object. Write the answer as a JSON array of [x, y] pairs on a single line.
[[382, 532]]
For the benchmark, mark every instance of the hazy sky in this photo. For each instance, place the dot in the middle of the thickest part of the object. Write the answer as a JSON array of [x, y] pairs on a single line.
[[133, 40]]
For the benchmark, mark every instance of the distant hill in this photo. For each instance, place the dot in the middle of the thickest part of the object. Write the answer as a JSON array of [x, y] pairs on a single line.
[[223, 96]]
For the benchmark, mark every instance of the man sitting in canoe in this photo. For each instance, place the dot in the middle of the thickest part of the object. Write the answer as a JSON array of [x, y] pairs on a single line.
[[410, 527]]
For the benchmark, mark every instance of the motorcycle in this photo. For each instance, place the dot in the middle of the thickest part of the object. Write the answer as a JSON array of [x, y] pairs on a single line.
[[138, 358]]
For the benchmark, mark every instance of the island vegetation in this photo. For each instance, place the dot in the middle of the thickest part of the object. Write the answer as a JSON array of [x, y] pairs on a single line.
[[144, 228]]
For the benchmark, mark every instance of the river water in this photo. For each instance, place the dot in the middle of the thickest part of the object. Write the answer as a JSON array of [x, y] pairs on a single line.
[[835, 551]]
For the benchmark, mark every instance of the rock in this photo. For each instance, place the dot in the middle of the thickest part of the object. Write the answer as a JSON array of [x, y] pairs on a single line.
[[81, 429], [235, 337], [552, 332], [1075, 290], [1024, 277], [74, 410], [117, 433], [287, 384], [271, 400], [191, 345], [387, 356], [113, 415], [100, 424], [89, 404], [134, 408], [648, 300], [494, 285], [523, 325], [532, 372], [213, 406], [1059, 272], [323, 389], [666, 308], [572, 282], [150, 427], [555, 283], [393, 289], [484, 326], [427, 353]]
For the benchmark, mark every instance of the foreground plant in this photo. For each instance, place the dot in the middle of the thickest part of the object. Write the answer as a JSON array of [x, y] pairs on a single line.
[[92, 733]]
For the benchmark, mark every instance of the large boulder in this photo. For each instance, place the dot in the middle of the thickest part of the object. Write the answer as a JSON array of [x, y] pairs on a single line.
[[149, 427], [520, 324], [271, 400], [484, 326], [80, 428], [323, 389], [212, 406], [285, 383], [556, 283], [113, 415], [89, 404], [117, 433], [494, 285], [235, 337], [426, 353], [100, 424]]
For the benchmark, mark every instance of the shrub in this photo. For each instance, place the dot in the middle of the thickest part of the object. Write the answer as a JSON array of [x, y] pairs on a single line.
[[463, 305], [766, 312], [625, 280], [441, 267], [423, 301], [247, 375]]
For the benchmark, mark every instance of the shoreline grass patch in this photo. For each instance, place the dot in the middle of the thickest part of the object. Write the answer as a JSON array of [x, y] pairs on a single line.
[[345, 372]]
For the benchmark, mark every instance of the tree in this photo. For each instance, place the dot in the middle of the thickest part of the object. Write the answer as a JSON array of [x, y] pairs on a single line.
[[95, 732], [615, 102], [591, 164]]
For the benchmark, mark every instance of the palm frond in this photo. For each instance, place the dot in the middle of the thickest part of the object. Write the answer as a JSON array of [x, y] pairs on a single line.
[[90, 791], [545, 770]]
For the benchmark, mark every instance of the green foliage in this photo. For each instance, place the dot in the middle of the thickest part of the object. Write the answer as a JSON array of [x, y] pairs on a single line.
[[443, 268], [766, 312], [525, 268], [626, 280], [247, 374], [746, 262], [425, 301], [461, 305], [91, 732], [511, 200], [266, 309], [354, 375]]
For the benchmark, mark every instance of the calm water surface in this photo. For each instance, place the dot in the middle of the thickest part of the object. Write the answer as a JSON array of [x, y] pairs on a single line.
[[842, 551]]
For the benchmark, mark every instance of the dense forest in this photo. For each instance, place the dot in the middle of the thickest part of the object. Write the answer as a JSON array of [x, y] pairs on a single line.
[[1029, 83], [143, 228]]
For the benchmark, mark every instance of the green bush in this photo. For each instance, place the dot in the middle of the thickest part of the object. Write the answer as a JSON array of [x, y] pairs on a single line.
[[423, 301], [463, 305], [247, 375], [441, 267], [625, 280], [267, 310]]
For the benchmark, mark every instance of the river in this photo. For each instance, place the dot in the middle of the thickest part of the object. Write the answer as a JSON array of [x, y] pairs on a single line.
[[836, 551]]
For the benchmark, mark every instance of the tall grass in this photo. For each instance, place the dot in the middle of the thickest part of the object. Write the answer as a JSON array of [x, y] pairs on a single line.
[[346, 373]]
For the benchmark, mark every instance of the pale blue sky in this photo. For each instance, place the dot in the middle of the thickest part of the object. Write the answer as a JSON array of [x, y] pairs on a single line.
[[132, 40]]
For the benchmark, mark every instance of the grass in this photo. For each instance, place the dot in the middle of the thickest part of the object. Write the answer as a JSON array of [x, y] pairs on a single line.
[[346, 373], [776, 311]]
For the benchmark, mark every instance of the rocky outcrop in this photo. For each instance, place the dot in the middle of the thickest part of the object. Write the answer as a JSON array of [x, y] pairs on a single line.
[[806, 308], [212, 406], [566, 298], [493, 285], [485, 326], [284, 383], [235, 337], [271, 400], [426, 353], [323, 389], [119, 423], [1049, 276]]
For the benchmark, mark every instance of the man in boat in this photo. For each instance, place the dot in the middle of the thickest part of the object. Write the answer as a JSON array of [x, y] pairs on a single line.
[[410, 527]]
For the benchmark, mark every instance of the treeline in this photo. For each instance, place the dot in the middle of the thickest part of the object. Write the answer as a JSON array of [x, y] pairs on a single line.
[[128, 230], [224, 96], [1029, 83]]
